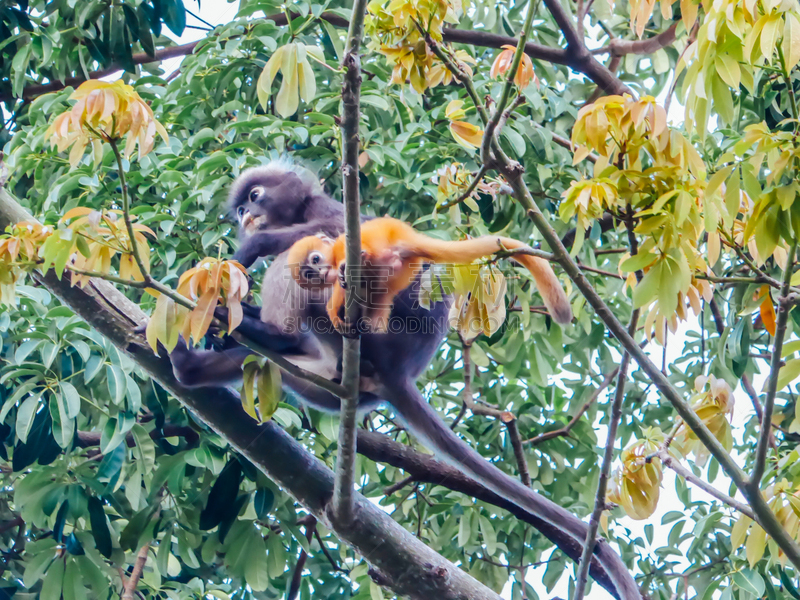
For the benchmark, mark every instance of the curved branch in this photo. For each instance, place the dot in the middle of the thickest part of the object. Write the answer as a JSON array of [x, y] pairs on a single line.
[[617, 47], [427, 469], [37, 89]]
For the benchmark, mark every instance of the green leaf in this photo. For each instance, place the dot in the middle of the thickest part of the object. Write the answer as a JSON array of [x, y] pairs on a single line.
[[117, 384], [255, 571], [276, 554], [51, 587], [222, 497], [25, 414], [269, 390], [788, 373], [130, 537], [99, 522], [72, 399], [489, 535], [749, 581], [263, 502], [174, 15]]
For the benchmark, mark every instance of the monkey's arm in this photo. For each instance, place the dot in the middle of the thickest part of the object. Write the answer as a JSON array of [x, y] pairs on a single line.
[[276, 241], [200, 368]]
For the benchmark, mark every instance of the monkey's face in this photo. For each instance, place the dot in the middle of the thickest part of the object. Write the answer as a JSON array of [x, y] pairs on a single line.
[[310, 260], [264, 199]]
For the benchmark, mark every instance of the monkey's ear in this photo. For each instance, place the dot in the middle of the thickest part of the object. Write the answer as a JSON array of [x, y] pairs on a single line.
[[325, 238]]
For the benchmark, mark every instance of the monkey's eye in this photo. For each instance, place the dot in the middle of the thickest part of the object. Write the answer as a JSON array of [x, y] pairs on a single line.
[[315, 258], [255, 193], [240, 211]]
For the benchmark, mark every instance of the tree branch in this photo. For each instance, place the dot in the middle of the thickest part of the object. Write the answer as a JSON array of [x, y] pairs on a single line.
[[425, 468], [617, 47], [351, 343], [675, 465], [764, 515], [784, 306], [129, 589], [615, 415], [412, 568], [297, 576], [513, 172], [37, 89], [489, 133], [86, 439], [563, 431], [519, 451]]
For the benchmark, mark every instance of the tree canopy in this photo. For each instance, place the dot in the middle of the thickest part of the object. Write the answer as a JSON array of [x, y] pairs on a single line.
[[651, 155]]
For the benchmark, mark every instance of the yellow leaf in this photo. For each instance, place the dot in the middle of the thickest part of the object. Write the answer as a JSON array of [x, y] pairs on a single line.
[[204, 313], [769, 35], [728, 70], [788, 373], [269, 390], [264, 86], [713, 247], [453, 111], [288, 98], [250, 371], [791, 41], [306, 80], [739, 531], [688, 14], [157, 325], [466, 134], [755, 545]]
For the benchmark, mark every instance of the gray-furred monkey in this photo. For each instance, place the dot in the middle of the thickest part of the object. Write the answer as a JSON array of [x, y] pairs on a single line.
[[277, 205]]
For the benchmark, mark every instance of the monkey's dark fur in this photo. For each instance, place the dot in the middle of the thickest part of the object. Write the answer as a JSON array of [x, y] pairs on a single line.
[[278, 204]]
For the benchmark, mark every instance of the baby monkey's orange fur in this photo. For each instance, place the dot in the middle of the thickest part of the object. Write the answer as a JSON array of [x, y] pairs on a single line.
[[397, 252]]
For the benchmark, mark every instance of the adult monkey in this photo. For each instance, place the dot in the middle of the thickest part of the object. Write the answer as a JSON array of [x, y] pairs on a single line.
[[277, 205]]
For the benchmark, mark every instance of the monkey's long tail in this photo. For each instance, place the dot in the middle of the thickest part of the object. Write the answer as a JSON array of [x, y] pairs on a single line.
[[426, 424], [465, 251]]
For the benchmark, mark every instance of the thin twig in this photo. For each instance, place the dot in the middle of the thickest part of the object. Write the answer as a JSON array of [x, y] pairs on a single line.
[[671, 463], [491, 127], [759, 410], [297, 576], [513, 173], [617, 47], [549, 435], [518, 101], [519, 451], [327, 554], [391, 489], [468, 192]]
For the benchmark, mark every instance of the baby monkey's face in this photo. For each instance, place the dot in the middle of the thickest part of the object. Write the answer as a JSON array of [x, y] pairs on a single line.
[[310, 260]]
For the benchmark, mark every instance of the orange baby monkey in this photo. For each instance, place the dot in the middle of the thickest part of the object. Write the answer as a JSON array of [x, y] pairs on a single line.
[[396, 252]]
